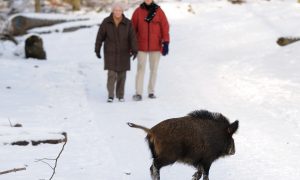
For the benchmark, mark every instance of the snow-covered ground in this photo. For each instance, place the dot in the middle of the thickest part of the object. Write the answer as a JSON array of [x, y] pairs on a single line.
[[222, 58]]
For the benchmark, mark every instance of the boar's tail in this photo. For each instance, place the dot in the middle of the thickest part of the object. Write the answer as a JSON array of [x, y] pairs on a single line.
[[139, 127]]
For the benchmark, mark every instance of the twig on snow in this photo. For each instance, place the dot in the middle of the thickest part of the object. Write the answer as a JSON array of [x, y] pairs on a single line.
[[10, 123], [56, 159], [12, 170], [16, 125]]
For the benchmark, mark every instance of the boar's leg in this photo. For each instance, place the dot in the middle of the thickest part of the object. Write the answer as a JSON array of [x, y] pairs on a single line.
[[206, 167], [154, 172], [198, 174], [157, 164]]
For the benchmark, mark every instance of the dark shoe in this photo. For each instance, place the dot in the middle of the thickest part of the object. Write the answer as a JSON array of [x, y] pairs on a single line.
[[137, 97], [110, 100], [151, 96]]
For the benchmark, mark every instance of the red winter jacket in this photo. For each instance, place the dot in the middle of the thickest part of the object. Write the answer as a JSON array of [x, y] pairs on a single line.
[[150, 35]]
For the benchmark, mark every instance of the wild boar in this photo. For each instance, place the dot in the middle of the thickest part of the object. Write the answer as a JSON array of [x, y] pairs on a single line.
[[197, 139]]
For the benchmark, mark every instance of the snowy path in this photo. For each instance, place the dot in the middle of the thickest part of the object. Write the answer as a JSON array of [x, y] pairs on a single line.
[[223, 59], [231, 76]]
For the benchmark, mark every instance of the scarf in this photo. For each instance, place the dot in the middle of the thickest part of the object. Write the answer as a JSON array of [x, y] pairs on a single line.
[[151, 8]]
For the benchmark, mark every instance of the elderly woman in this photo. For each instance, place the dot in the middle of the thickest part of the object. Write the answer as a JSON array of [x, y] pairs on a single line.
[[119, 39]]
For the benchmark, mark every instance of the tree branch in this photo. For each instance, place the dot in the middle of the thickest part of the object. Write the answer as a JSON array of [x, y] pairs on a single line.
[[9, 38], [283, 41], [41, 160], [12, 170], [56, 159]]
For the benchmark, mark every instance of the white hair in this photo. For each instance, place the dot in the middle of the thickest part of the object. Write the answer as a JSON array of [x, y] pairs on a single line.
[[118, 5]]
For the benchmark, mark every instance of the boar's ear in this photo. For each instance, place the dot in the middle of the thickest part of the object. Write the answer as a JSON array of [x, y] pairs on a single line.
[[233, 127]]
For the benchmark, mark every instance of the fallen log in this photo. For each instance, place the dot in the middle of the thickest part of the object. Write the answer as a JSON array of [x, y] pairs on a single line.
[[49, 141], [19, 25], [237, 1], [75, 28], [20, 143], [65, 30], [38, 142]]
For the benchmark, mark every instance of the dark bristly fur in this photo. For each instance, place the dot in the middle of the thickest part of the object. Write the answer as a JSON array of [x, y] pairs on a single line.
[[197, 139], [206, 115]]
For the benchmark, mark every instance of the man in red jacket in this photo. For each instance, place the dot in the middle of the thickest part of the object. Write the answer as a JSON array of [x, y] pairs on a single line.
[[152, 29]]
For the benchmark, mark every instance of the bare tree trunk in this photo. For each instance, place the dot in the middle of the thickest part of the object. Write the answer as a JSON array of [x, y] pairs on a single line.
[[76, 5], [37, 4]]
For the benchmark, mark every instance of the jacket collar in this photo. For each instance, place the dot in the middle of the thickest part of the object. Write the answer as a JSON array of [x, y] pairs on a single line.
[[152, 6], [111, 19]]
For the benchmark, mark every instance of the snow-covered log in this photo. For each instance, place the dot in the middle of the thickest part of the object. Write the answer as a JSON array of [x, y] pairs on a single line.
[[237, 1], [37, 140], [20, 24]]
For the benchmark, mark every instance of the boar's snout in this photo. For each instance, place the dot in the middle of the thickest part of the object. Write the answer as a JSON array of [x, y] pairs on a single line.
[[231, 149]]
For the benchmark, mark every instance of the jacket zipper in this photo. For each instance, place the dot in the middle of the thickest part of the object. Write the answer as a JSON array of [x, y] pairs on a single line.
[[148, 36], [117, 44]]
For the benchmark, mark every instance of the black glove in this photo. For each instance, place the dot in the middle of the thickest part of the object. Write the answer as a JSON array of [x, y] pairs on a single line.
[[165, 49], [98, 55], [133, 55]]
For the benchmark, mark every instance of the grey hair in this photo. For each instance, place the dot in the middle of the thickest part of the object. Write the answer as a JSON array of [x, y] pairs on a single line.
[[118, 5]]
